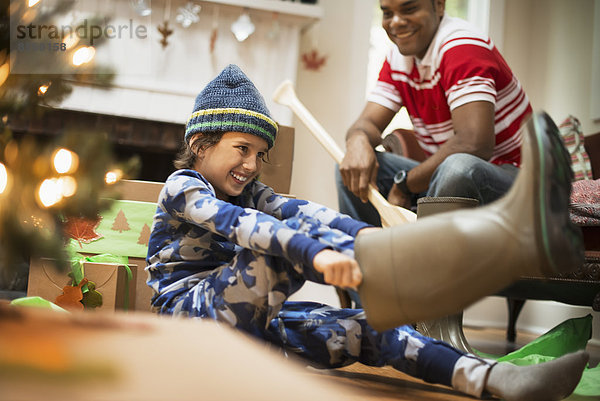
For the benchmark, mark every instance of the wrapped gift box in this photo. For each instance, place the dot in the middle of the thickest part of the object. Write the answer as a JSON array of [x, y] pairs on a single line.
[[111, 280], [123, 230]]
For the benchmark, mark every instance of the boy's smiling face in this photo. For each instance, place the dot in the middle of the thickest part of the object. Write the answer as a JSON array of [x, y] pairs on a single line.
[[232, 163]]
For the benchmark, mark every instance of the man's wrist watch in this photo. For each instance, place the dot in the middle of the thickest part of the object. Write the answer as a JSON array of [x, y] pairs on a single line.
[[400, 181]]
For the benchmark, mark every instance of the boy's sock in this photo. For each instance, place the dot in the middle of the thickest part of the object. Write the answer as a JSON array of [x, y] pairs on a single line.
[[547, 381]]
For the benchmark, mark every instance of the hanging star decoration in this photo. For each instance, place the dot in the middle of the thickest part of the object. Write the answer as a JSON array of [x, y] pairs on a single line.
[[165, 32], [313, 60]]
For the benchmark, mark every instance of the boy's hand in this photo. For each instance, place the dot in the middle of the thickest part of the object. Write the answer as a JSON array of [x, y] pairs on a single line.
[[368, 230], [338, 269]]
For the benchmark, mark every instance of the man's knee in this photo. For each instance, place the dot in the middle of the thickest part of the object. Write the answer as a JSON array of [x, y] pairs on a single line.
[[455, 175], [458, 166]]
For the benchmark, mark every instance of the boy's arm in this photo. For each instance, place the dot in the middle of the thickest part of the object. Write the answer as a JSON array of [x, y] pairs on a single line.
[[283, 208], [338, 269], [189, 199]]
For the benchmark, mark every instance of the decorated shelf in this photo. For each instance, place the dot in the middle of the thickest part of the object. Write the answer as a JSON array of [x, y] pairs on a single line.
[[310, 12]]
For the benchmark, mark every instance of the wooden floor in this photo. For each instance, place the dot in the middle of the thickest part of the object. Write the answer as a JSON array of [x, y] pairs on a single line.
[[383, 384]]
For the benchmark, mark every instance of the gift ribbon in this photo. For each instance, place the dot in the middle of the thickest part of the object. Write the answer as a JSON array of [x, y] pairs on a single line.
[[78, 272]]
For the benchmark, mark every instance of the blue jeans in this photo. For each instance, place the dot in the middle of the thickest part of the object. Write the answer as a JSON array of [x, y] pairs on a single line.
[[461, 175]]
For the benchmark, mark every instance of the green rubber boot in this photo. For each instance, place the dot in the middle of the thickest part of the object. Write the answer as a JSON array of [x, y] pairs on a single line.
[[441, 264]]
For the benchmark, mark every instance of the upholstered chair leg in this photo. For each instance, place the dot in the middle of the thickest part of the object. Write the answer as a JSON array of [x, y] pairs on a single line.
[[514, 308]]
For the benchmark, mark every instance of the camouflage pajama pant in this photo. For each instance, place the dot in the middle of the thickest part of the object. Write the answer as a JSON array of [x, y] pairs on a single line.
[[250, 294]]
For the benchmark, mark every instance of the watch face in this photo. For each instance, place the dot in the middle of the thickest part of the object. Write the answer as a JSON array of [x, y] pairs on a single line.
[[400, 181], [400, 177]]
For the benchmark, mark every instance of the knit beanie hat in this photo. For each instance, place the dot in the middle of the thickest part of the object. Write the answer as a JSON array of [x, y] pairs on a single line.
[[231, 102]]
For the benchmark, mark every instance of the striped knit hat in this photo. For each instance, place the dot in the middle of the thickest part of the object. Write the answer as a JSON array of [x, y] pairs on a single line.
[[231, 102]]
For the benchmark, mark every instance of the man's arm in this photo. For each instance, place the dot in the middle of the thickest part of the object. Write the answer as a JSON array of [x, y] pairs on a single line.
[[359, 166], [473, 125]]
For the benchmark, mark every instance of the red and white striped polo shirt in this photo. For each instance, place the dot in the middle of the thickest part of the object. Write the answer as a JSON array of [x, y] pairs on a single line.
[[460, 66]]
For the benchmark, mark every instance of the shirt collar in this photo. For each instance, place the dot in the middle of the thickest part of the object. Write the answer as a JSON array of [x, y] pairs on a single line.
[[427, 60]]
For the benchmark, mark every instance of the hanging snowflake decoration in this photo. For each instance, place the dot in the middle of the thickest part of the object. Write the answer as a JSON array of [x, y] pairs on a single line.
[[188, 15], [243, 27], [141, 7]]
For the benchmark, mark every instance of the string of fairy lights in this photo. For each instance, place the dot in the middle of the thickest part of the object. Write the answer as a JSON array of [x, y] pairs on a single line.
[[47, 179], [52, 190]]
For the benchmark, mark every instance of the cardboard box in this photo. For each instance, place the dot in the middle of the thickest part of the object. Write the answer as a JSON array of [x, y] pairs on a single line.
[[143, 293], [111, 280], [278, 172]]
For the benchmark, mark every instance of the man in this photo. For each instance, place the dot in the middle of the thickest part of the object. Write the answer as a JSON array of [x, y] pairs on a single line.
[[465, 104]]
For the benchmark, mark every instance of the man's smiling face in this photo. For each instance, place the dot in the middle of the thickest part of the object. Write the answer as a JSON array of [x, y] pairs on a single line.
[[412, 24]]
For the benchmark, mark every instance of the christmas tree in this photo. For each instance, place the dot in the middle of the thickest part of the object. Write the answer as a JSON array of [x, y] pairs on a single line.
[[120, 224], [144, 237], [43, 183]]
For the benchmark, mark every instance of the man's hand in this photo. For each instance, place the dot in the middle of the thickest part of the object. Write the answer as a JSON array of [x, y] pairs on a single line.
[[359, 166], [399, 198], [338, 269]]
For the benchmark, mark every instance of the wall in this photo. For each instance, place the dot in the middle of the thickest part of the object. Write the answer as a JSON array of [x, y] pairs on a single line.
[[335, 94], [549, 45]]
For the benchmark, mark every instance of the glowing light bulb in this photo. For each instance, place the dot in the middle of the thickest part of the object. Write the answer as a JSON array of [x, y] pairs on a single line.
[[33, 2], [3, 178], [68, 186], [83, 55], [4, 71], [50, 192], [71, 40], [43, 89], [65, 161], [113, 176]]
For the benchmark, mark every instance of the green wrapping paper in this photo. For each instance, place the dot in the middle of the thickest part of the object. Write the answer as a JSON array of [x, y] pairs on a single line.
[[569, 336], [37, 302], [124, 229]]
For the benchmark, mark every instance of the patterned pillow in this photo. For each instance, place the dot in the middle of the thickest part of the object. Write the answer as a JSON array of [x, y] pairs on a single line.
[[585, 203], [570, 129]]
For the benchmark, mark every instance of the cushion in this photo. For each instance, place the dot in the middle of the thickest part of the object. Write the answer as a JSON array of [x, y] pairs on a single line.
[[570, 130], [585, 203]]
